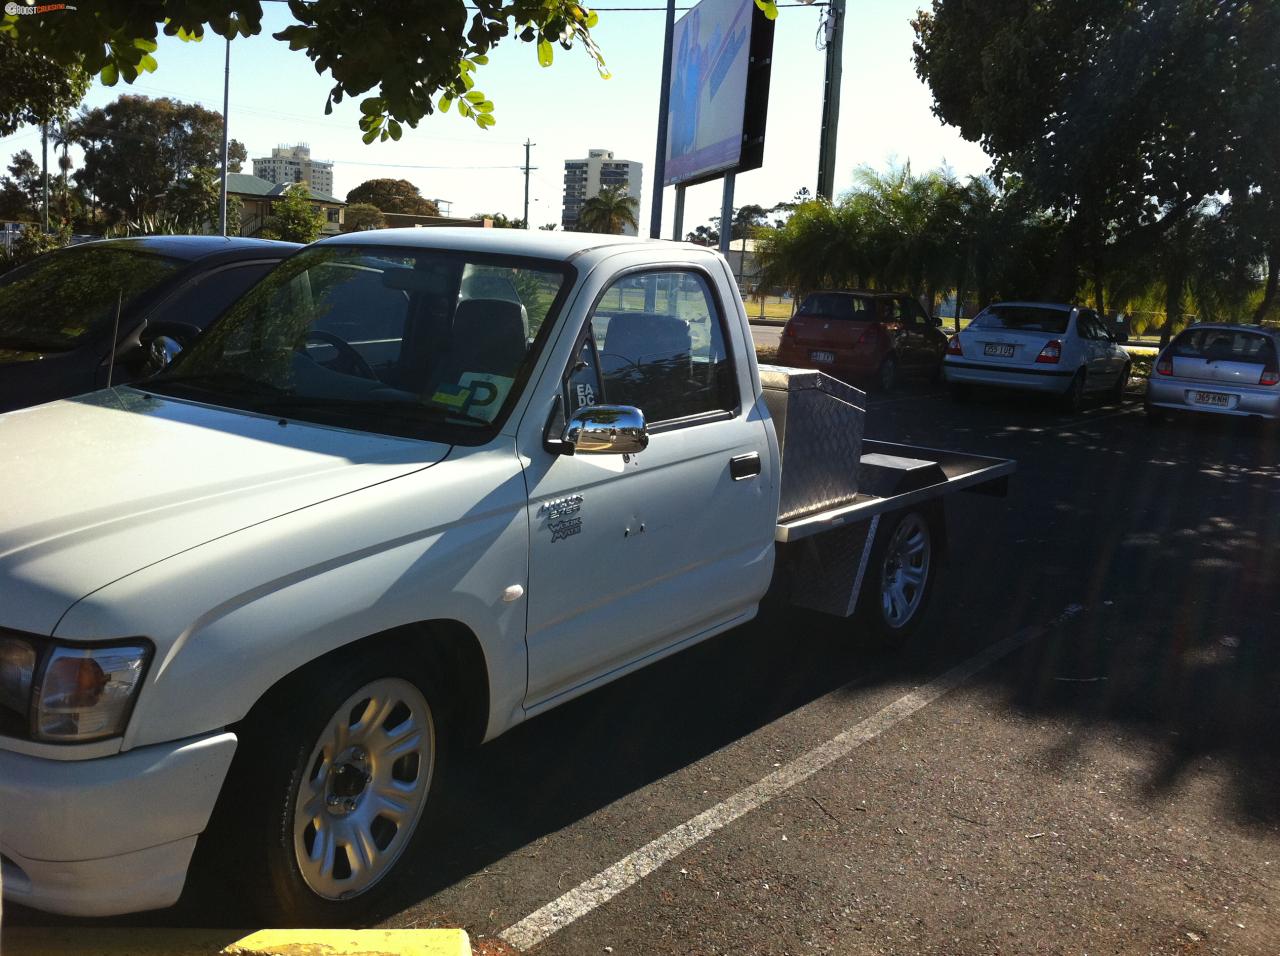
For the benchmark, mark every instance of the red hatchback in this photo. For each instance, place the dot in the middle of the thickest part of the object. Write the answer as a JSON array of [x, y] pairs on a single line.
[[863, 335]]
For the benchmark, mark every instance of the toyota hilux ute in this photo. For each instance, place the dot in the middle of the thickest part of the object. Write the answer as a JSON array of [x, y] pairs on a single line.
[[416, 487]]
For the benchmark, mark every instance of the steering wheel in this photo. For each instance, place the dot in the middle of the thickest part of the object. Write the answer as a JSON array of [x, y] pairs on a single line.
[[348, 357]]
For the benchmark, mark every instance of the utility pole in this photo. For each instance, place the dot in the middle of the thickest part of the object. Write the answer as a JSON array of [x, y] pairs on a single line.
[[527, 169], [226, 107], [831, 101], [44, 166], [664, 107]]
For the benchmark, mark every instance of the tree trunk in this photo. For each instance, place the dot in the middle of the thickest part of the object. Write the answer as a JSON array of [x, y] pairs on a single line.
[[1175, 282], [1098, 303], [1273, 282]]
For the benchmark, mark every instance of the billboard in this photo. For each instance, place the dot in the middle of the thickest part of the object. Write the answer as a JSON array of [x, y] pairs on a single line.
[[721, 52]]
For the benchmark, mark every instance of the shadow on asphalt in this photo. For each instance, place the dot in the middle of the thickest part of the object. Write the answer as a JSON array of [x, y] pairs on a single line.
[[1165, 535]]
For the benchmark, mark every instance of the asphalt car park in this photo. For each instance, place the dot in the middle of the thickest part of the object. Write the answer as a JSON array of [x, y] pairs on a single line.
[[1076, 754]]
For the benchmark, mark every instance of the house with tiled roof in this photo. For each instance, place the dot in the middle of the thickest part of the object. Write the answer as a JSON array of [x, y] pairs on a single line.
[[257, 196]]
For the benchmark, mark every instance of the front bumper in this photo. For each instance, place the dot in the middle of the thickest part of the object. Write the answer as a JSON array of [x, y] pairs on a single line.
[[111, 835], [1243, 401], [967, 372]]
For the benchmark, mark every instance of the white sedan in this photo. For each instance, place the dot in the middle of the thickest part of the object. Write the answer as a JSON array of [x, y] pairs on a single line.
[[1063, 350]]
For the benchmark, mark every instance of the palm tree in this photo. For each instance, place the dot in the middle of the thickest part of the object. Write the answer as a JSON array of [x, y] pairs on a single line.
[[611, 211]]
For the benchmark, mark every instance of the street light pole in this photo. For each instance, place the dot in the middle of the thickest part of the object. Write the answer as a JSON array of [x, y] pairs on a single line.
[[226, 106]]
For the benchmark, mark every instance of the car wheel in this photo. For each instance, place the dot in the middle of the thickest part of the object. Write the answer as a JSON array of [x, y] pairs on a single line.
[[887, 376], [332, 789], [1116, 395], [1073, 398], [899, 577]]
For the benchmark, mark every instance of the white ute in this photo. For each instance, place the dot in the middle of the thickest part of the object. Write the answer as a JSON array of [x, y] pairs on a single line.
[[417, 487]]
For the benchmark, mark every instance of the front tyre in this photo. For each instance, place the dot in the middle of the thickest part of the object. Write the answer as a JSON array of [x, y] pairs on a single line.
[[899, 577], [1073, 399], [341, 771], [887, 375]]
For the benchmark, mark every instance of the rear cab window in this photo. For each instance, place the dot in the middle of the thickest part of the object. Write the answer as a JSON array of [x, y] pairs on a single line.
[[838, 305], [1226, 345], [1024, 318]]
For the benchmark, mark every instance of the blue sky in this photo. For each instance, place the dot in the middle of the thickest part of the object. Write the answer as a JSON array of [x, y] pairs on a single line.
[[277, 98]]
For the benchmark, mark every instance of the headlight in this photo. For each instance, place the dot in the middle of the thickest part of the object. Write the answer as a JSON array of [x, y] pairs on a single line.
[[71, 694]]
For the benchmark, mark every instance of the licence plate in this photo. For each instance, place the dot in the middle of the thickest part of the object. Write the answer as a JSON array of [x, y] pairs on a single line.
[[822, 356], [1003, 351], [1212, 398]]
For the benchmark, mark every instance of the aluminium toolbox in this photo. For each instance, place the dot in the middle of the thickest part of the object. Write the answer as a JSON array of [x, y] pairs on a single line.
[[819, 421]]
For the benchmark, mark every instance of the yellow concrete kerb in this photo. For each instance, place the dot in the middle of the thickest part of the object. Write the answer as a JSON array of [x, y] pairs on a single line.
[[33, 941]]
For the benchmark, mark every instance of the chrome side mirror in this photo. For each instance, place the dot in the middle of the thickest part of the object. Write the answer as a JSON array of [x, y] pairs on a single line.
[[606, 430], [161, 352]]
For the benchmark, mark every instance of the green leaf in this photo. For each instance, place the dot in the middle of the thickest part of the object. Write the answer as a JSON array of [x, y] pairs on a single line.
[[148, 63], [484, 106], [545, 53], [394, 129], [371, 105], [110, 75], [445, 102], [370, 136], [467, 82], [464, 109], [769, 7], [593, 18], [480, 59], [485, 120], [475, 96], [149, 46]]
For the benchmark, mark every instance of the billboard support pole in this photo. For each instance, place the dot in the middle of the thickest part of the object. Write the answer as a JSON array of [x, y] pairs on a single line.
[[726, 213], [677, 228], [664, 107], [831, 103]]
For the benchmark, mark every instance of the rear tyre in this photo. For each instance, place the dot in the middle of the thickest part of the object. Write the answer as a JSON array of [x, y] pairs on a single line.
[[1116, 395], [332, 789], [899, 577], [887, 375], [1073, 399]]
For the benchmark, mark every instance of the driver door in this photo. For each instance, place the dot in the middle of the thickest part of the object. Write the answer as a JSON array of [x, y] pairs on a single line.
[[632, 555]]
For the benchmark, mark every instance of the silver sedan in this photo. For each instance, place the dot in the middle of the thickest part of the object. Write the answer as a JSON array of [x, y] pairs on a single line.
[[1219, 369]]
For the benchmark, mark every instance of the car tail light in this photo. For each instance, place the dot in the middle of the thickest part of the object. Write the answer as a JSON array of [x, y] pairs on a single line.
[[1050, 354], [868, 336], [953, 345], [1270, 376], [1164, 365], [790, 331]]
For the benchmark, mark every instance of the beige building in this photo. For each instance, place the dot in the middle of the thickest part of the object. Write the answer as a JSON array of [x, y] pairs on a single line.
[[293, 164], [584, 178], [258, 196]]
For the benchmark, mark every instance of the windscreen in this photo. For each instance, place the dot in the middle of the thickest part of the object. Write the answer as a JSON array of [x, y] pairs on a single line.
[[835, 305], [397, 341], [1024, 318], [1225, 345], [51, 303]]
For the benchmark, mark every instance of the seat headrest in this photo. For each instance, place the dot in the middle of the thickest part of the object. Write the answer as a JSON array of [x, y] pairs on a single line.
[[640, 335], [489, 335]]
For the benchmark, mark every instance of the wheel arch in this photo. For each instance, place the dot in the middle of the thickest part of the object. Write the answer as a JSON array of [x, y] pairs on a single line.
[[449, 645]]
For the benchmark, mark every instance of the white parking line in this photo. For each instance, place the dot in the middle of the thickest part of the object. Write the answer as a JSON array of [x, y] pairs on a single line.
[[604, 886]]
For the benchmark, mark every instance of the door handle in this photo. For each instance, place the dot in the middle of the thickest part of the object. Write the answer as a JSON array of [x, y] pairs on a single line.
[[744, 466]]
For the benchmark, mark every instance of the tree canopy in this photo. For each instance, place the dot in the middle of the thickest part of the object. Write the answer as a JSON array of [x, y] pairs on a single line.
[[1124, 116], [136, 149], [609, 211], [393, 195], [35, 89], [361, 217], [294, 217]]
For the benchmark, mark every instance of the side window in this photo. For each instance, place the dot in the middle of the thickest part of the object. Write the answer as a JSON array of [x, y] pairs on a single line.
[[661, 345], [210, 295], [918, 318], [1088, 326]]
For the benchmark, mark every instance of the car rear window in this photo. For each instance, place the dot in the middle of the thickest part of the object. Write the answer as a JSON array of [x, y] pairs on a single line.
[[1024, 318], [1230, 345], [834, 305]]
